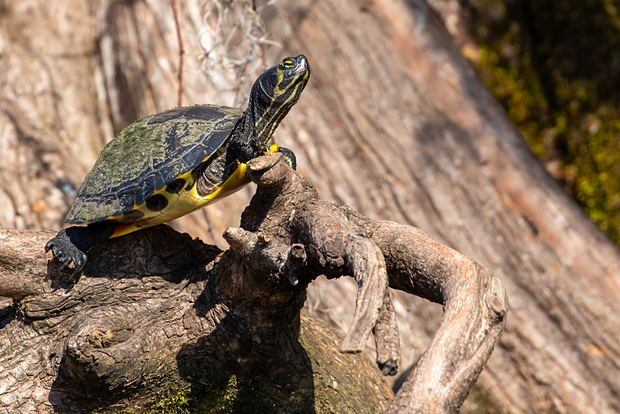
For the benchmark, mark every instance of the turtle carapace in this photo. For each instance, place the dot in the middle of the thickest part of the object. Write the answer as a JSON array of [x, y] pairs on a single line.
[[169, 164]]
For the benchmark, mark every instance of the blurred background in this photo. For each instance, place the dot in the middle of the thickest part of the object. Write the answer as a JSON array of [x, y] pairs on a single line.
[[491, 124], [555, 68]]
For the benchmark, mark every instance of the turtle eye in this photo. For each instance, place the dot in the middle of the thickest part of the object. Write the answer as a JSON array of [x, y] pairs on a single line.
[[288, 63]]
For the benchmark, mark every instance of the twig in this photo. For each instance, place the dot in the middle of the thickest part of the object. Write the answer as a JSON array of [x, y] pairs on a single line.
[[235, 40], [181, 51]]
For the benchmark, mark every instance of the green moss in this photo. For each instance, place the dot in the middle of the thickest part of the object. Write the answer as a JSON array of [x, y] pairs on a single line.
[[555, 68], [176, 402], [213, 398], [208, 399]]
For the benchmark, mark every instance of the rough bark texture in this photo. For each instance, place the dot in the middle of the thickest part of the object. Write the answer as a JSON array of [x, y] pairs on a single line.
[[146, 328], [394, 123], [157, 308]]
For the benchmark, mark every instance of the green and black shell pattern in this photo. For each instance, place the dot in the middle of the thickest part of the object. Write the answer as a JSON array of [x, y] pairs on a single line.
[[149, 154]]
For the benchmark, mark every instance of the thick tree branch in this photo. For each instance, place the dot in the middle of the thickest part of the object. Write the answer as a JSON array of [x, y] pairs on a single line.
[[475, 307], [474, 299]]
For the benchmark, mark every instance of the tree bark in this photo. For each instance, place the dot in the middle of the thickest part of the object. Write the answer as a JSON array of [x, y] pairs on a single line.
[[394, 123]]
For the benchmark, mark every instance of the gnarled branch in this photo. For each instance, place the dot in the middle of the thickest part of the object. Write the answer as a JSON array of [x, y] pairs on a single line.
[[158, 308]]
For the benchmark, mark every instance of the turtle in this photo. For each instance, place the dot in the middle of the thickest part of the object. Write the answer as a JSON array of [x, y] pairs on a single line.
[[166, 165]]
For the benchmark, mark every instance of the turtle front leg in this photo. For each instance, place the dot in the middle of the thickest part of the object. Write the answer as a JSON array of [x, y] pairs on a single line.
[[289, 157], [71, 245], [244, 151]]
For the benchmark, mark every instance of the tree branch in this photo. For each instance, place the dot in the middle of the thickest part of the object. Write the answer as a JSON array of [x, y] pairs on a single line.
[[475, 308], [173, 4], [474, 299]]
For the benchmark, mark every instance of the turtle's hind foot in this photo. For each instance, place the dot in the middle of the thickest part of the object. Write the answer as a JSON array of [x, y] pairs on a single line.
[[70, 245], [66, 252]]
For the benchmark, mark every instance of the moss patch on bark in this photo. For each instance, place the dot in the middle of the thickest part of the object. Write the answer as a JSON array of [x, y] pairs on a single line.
[[555, 67]]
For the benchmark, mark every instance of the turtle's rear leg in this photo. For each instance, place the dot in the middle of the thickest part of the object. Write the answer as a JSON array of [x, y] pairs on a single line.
[[71, 245]]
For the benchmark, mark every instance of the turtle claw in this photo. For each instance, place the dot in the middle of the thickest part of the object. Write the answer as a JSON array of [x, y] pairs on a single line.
[[66, 262], [249, 149], [260, 147], [78, 265]]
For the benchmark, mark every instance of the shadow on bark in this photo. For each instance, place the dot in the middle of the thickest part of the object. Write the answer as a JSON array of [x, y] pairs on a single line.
[[248, 379]]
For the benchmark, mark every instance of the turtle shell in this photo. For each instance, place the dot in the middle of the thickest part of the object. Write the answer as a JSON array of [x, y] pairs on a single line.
[[149, 154]]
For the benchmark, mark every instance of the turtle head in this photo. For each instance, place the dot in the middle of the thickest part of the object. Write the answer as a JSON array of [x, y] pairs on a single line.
[[275, 92]]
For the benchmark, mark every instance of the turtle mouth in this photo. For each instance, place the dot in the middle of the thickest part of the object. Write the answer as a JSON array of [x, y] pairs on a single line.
[[302, 66]]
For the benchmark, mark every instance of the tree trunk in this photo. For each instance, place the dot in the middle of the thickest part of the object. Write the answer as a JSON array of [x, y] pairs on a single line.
[[394, 123]]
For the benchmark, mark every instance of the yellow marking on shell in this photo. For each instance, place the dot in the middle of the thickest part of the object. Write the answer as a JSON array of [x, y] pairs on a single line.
[[142, 207], [182, 203]]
